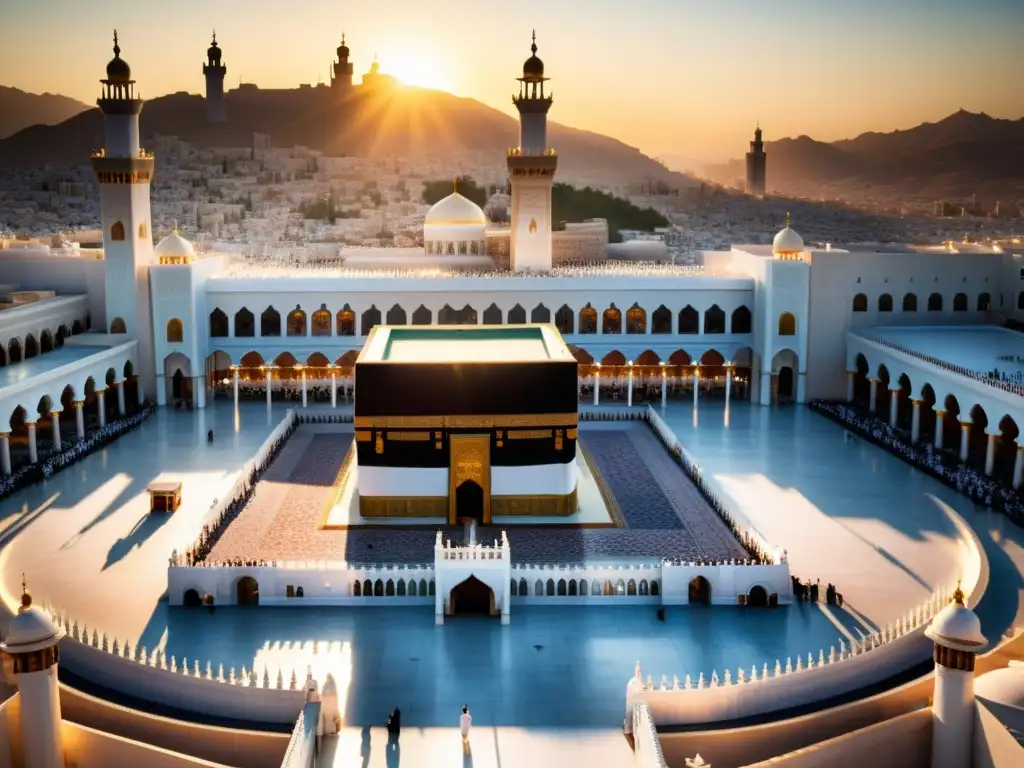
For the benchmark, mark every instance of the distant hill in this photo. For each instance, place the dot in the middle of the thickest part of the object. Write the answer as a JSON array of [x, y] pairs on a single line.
[[19, 109], [384, 122], [956, 157]]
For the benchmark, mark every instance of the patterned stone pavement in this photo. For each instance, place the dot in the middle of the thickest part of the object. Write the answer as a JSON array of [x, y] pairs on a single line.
[[665, 515]]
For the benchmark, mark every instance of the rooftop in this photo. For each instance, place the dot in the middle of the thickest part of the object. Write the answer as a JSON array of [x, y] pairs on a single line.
[[979, 348], [464, 344], [16, 373]]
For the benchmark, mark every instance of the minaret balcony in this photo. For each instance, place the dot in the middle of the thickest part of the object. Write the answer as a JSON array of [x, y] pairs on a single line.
[[519, 151], [528, 163], [124, 170]]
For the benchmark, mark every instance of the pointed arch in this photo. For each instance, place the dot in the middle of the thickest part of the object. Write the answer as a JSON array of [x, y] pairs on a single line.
[[448, 316], [317, 360], [245, 324], [320, 322], [31, 347], [517, 315], [218, 324], [14, 354], [396, 315], [680, 358], [661, 320], [540, 314], [714, 320], [636, 319], [46, 341], [345, 321], [117, 233], [270, 322], [285, 360], [611, 320], [689, 320], [712, 359], [422, 316], [251, 360], [466, 316], [492, 315], [368, 320], [742, 321], [297, 322], [613, 358], [175, 331], [647, 357], [582, 356], [117, 325], [588, 320]]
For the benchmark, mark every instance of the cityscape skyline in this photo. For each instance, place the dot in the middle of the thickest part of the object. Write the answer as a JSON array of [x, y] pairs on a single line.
[[697, 81]]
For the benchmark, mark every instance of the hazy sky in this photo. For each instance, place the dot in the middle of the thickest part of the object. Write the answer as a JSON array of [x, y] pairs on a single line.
[[688, 77]]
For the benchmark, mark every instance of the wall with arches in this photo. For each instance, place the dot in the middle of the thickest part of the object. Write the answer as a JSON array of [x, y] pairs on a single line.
[[47, 323], [79, 273]]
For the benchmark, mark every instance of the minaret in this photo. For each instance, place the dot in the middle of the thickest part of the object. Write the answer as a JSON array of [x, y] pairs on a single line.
[[757, 162], [214, 72], [123, 172], [32, 643], [341, 80], [531, 168], [956, 632]]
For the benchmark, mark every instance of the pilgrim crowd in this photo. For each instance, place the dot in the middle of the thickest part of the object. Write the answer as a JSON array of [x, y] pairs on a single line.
[[1008, 382]]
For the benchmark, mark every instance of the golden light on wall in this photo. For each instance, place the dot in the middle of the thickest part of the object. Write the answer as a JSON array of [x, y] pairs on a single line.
[[533, 226]]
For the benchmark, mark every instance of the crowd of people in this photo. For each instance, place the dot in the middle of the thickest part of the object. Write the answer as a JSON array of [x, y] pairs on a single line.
[[71, 451], [1008, 382], [811, 592], [942, 465]]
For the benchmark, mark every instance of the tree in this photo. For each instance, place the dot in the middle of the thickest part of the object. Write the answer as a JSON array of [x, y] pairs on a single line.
[[571, 204], [436, 190]]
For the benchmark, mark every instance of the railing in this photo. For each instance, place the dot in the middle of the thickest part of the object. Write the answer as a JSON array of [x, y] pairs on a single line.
[[444, 550], [301, 752], [646, 746], [520, 152], [270, 268], [1006, 386]]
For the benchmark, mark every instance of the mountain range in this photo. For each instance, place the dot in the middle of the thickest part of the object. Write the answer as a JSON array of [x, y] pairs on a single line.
[[961, 155], [19, 109], [384, 121]]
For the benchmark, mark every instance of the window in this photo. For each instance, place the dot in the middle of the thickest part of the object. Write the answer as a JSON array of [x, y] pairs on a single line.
[[117, 231], [517, 315], [787, 324], [935, 302], [741, 320], [245, 323], [370, 318], [714, 320], [910, 303], [612, 320], [588, 319], [175, 333], [346, 321], [564, 320], [143, 230], [540, 314], [636, 320], [218, 324], [860, 303], [270, 322], [117, 326], [297, 322], [396, 315], [885, 303], [960, 302], [661, 320], [321, 322], [689, 320], [984, 302]]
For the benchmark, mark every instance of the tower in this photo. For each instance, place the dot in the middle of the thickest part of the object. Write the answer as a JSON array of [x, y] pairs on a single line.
[[756, 165], [956, 632], [123, 173], [531, 169], [214, 72], [32, 643], [341, 78]]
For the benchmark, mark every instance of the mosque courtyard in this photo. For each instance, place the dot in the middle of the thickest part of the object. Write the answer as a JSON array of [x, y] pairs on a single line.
[[847, 513]]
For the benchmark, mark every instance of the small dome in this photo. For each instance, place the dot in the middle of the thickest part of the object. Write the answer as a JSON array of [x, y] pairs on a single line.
[[31, 630], [342, 49], [788, 241], [956, 626], [118, 70], [213, 52], [455, 209], [175, 246], [1002, 686]]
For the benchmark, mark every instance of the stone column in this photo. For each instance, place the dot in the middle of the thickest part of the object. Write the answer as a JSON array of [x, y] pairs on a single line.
[[55, 424], [334, 389], [850, 375], [940, 420], [5, 453], [33, 450], [728, 386], [1018, 466], [597, 383], [234, 385], [873, 399], [79, 418], [120, 398], [303, 375], [894, 407], [101, 406], [990, 452], [199, 391], [629, 393], [696, 386], [269, 383], [915, 422], [664, 386], [965, 437]]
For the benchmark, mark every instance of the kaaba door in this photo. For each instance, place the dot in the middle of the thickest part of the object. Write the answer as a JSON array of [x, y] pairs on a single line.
[[469, 478]]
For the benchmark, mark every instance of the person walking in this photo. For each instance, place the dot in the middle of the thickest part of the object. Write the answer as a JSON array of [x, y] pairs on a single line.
[[394, 725], [464, 723]]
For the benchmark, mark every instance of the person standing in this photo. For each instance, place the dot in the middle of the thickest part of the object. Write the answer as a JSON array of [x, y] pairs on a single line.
[[464, 723]]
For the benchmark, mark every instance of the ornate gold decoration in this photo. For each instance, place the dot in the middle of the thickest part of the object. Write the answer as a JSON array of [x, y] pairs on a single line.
[[410, 437], [437, 445], [533, 226], [378, 443], [437, 435], [500, 434], [559, 434], [468, 422], [501, 444], [535, 506], [529, 434], [958, 595], [363, 436], [469, 460], [571, 434], [403, 506]]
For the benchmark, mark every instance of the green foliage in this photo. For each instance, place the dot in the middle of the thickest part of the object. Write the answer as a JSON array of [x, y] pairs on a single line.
[[436, 190], [571, 204], [322, 208]]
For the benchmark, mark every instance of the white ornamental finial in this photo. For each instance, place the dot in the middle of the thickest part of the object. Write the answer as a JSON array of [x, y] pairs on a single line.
[[697, 762]]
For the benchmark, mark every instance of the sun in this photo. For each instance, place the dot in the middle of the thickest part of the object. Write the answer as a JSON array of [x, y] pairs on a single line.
[[421, 71]]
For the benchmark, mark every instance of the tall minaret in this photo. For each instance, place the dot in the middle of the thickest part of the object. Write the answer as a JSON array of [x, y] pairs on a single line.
[[956, 632], [32, 643], [757, 161], [531, 168], [124, 172], [214, 72], [341, 81]]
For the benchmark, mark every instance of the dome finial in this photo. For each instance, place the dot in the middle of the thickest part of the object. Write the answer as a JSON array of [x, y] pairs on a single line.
[[214, 37], [958, 594], [787, 219], [533, 47], [175, 226], [117, 48], [343, 37], [26, 598], [455, 184]]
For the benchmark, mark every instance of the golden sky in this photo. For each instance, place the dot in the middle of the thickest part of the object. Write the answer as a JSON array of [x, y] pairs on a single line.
[[673, 77]]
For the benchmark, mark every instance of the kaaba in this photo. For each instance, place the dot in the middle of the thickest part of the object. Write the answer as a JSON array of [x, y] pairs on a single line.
[[466, 422]]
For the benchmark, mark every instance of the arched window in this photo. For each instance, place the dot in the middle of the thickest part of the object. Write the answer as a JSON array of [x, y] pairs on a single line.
[[661, 320], [346, 321], [689, 320], [984, 302], [540, 314], [368, 320], [611, 322], [218, 324], [714, 320], [588, 319], [860, 303], [117, 326], [636, 319], [270, 322], [1020, 300], [395, 315], [117, 231], [935, 302], [742, 322], [885, 303], [492, 315], [245, 323], [447, 316], [787, 324], [320, 323], [421, 316], [960, 302], [910, 302], [564, 320], [466, 316], [517, 315], [175, 332], [297, 322]]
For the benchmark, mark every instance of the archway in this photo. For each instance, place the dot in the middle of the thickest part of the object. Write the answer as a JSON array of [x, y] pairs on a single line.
[[951, 423], [368, 320], [978, 440], [218, 324], [700, 591], [927, 413], [611, 321], [786, 383], [882, 393], [421, 316], [296, 324], [517, 315], [742, 321], [469, 501], [714, 320], [191, 599], [31, 347], [245, 323], [784, 369], [492, 315], [45, 341], [588, 319], [117, 325], [861, 385], [396, 315], [757, 597], [471, 598], [320, 322], [177, 379], [689, 320], [14, 351], [270, 322], [247, 591], [564, 319], [345, 321], [540, 314], [1006, 448]]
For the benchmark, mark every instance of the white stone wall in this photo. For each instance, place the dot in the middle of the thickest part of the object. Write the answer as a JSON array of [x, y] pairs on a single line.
[[47, 315]]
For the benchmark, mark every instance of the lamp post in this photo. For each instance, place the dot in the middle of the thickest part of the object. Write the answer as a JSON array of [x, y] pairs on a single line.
[[269, 369], [302, 373], [728, 383], [629, 396], [597, 381], [696, 385], [334, 386], [664, 385], [234, 376]]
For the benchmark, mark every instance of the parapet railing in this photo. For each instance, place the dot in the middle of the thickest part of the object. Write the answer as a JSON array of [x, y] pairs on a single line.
[[445, 550], [646, 746], [1006, 386]]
